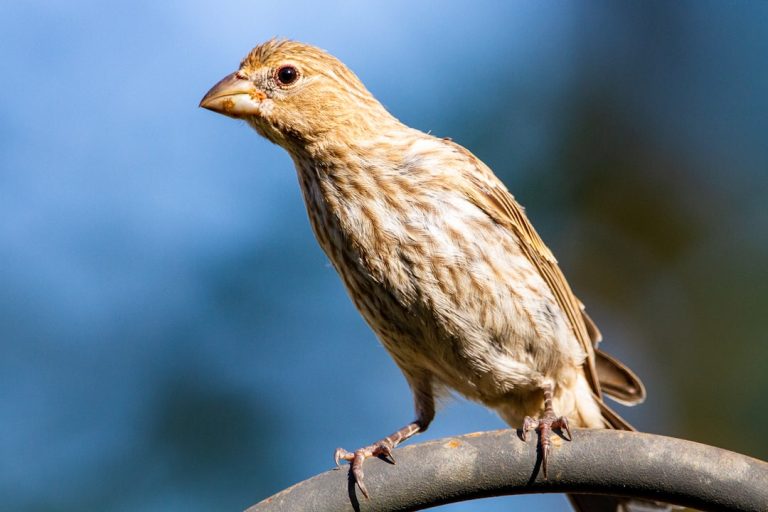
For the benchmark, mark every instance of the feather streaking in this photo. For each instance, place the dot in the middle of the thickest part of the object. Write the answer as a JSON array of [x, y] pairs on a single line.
[[434, 251]]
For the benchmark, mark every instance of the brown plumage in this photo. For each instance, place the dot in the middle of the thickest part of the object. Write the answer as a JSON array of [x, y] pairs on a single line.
[[435, 252]]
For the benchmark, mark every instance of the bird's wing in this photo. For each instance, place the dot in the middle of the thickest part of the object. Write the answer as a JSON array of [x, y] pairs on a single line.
[[489, 194]]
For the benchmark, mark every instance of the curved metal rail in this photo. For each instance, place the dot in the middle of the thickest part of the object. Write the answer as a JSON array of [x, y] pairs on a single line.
[[499, 463]]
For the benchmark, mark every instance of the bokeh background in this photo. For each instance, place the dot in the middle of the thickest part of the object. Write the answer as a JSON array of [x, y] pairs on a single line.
[[172, 337]]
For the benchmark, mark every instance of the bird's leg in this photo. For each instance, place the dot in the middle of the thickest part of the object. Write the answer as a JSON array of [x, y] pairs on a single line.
[[425, 411], [544, 426]]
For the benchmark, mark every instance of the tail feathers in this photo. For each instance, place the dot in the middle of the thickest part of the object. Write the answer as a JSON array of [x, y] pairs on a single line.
[[595, 503], [612, 419], [599, 503], [622, 385], [589, 410], [617, 381]]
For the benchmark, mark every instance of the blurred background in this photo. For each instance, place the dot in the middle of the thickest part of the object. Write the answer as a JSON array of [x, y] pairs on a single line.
[[172, 337]]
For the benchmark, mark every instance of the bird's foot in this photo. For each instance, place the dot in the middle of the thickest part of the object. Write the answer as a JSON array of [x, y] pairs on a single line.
[[544, 427], [381, 449]]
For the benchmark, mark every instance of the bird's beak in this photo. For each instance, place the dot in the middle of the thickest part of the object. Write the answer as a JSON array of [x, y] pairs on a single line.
[[234, 96]]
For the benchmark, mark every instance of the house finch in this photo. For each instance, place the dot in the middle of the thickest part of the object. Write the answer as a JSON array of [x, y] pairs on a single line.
[[436, 254]]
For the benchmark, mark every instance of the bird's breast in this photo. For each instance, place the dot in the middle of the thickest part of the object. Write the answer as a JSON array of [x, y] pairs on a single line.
[[444, 287]]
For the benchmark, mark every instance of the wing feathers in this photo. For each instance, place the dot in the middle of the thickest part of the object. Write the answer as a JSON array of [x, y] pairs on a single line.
[[490, 195]]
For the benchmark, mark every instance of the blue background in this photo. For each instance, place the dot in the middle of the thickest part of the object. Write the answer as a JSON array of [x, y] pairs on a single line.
[[171, 336]]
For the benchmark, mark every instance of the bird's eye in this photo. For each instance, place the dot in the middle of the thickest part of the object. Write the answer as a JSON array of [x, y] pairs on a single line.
[[287, 75]]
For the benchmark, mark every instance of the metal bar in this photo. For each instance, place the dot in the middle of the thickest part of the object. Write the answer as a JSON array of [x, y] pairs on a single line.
[[499, 463]]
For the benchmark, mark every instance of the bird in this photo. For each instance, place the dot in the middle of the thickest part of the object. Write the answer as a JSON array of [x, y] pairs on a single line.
[[434, 251]]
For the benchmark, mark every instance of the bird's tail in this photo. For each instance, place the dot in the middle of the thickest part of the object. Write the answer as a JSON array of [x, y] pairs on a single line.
[[611, 417], [597, 503], [618, 382], [600, 503]]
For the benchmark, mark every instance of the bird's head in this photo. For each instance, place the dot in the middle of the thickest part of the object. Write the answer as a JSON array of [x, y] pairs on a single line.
[[295, 94]]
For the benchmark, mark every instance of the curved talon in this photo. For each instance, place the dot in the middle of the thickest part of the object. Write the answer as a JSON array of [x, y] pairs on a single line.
[[528, 424], [544, 427], [340, 454], [357, 470], [386, 451], [381, 448], [357, 458]]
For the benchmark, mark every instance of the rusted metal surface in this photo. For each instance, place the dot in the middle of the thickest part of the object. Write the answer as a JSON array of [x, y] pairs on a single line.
[[499, 463]]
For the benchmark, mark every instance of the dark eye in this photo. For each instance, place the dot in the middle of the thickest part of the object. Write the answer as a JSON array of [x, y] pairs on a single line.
[[286, 75]]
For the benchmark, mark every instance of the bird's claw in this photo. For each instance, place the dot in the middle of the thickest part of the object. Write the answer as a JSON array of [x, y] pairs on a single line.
[[357, 458], [544, 427]]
